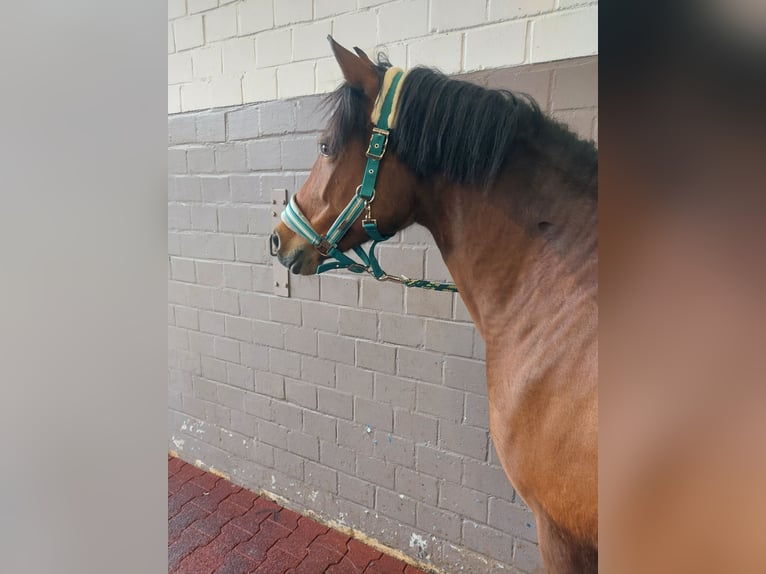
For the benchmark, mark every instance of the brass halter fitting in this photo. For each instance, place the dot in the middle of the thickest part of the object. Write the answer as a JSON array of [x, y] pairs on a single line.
[[368, 209]]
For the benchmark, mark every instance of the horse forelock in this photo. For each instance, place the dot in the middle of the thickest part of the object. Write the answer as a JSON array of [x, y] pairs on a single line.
[[348, 118]]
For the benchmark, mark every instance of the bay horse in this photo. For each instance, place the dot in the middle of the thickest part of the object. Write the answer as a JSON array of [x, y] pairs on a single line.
[[510, 197]]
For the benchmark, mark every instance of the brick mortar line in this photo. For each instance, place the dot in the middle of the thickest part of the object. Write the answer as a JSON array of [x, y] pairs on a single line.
[[214, 427], [352, 338]]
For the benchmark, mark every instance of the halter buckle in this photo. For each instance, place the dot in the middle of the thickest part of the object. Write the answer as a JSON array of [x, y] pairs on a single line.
[[324, 247], [378, 143]]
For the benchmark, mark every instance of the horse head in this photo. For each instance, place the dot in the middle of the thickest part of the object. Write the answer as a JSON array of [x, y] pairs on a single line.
[[338, 172]]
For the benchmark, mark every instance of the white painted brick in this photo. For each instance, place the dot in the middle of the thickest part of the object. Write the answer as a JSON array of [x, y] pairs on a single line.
[[182, 269], [273, 48], [205, 218], [176, 9], [505, 10], [309, 41], [561, 29], [195, 6], [259, 85], [174, 99], [206, 62], [295, 79], [403, 20], [220, 24], [436, 269], [255, 16], [195, 96], [565, 35], [579, 121], [188, 32], [495, 46], [397, 53], [452, 14], [209, 246], [442, 52], [178, 216], [292, 11], [226, 91], [324, 8], [356, 29], [398, 260], [328, 75], [238, 55], [179, 68], [417, 235]]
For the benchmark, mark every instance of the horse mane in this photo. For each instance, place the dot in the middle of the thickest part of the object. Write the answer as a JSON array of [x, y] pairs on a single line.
[[459, 130]]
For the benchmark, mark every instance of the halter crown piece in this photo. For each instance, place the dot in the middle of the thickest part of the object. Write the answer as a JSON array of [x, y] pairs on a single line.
[[384, 119]]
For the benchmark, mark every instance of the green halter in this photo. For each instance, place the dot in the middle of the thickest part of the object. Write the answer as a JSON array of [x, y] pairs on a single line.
[[365, 194]]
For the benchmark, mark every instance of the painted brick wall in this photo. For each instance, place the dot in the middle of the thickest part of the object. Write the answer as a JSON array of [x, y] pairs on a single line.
[[223, 53], [360, 401]]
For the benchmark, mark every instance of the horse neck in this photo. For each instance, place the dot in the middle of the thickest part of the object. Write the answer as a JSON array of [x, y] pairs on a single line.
[[511, 275]]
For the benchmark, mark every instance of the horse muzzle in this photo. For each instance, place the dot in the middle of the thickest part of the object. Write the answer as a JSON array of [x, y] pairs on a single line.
[[293, 251]]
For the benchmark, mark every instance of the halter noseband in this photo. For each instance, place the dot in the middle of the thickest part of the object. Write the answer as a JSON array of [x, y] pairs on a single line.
[[384, 118]]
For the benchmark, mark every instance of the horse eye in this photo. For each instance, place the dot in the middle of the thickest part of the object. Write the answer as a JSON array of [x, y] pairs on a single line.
[[324, 149]]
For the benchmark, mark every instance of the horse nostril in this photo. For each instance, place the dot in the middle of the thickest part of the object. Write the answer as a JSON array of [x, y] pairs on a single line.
[[274, 244]]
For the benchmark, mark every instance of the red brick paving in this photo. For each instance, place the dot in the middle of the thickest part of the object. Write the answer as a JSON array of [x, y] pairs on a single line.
[[318, 559], [215, 527], [258, 545], [235, 563], [178, 523], [386, 565], [185, 493], [360, 555], [334, 540]]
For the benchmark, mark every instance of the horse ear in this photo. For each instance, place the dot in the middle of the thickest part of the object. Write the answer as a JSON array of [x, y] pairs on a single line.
[[358, 71], [361, 53]]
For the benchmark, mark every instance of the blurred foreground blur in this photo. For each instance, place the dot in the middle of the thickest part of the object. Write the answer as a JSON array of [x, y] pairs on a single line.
[[683, 321]]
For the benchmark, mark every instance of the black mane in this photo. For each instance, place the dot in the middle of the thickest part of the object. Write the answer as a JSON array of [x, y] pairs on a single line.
[[459, 130]]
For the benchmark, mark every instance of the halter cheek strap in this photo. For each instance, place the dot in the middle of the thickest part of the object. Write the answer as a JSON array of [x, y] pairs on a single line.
[[384, 119]]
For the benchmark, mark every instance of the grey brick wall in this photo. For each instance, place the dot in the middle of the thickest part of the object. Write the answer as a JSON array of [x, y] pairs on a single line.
[[354, 399]]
